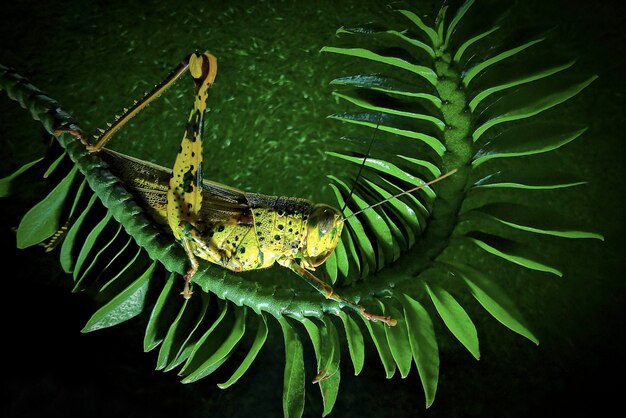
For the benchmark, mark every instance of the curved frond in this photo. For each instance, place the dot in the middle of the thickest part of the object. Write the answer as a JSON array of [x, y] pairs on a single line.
[[437, 105]]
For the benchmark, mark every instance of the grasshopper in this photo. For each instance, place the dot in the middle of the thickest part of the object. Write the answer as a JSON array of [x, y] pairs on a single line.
[[236, 230]]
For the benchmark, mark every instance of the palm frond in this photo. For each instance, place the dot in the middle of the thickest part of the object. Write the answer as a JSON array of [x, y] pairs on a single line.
[[466, 112], [441, 92]]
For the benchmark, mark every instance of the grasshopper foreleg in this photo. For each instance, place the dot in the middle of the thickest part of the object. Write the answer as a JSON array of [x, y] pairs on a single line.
[[329, 293]]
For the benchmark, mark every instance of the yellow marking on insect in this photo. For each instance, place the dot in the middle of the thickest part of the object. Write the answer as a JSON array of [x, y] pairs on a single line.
[[236, 230]]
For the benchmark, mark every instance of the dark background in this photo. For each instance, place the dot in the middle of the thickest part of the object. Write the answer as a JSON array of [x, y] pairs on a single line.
[[96, 57]]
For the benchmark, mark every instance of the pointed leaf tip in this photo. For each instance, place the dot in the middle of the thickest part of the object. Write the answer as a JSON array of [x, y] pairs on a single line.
[[44, 219], [126, 305], [456, 318]]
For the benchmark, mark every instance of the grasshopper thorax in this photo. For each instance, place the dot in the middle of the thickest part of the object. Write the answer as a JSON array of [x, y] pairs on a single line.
[[323, 232]]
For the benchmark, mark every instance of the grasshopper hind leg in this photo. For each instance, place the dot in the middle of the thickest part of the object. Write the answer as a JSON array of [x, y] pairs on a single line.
[[128, 113]]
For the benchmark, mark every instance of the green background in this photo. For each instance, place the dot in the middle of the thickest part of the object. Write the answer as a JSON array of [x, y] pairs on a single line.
[[268, 131]]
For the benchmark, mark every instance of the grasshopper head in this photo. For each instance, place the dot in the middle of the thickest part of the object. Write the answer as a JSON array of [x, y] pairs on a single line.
[[322, 234]]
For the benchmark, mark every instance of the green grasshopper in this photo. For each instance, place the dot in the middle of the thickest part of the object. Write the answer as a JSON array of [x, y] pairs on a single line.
[[236, 230]]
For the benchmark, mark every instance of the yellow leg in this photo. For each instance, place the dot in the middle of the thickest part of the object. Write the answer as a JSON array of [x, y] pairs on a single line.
[[184, 195]]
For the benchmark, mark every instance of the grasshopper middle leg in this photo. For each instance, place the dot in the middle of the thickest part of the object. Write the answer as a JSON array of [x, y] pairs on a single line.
[[329, 293]]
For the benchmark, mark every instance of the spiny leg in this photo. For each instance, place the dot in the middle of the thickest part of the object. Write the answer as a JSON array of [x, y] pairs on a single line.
[[329, 293], [128, 113]]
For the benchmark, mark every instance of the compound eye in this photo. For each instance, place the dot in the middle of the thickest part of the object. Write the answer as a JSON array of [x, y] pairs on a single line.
[[327, 221]]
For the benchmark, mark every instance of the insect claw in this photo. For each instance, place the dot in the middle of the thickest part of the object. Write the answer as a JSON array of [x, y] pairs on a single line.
[[92, 149], [322, 375], [186, 292], [375, 318]]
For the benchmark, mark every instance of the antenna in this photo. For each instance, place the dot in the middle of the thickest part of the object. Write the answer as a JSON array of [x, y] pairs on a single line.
[[448, 174], [367, 153]]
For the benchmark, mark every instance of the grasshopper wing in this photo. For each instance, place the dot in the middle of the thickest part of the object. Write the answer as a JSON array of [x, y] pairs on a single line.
[[148, 182]]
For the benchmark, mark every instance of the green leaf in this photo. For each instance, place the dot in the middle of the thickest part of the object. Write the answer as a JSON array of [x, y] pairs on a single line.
[[477, 69], [494, 300], [388, 85], [55, 164], [209, 342], [293, 383], [382, 346], [121, 275], [89, 243], [511, 251], [398, 338], [420, 70], [161, 315], [346, 240], [330, 389], [430, 32], [365, 246], [67, 247], [398, 241], [126, 305], [97, 256], [471, 41], [432, 169], [438, 123], [6, 183], [329, 386], [44, 219], [486, 92], [388, 169], [421, 212], [331, 267], [189, 344], [394, 33], [461, 11], [342, 259], [315, 334], [455, 318], [257, 344], [356, 346], [423, 345], [374, 221], [440, 23], [532, 180], [222, 352], [366, 119], [77, 197], [176, 332], [326, 346], [541, 102], [402, 210], [526, 139], [530, 219]]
